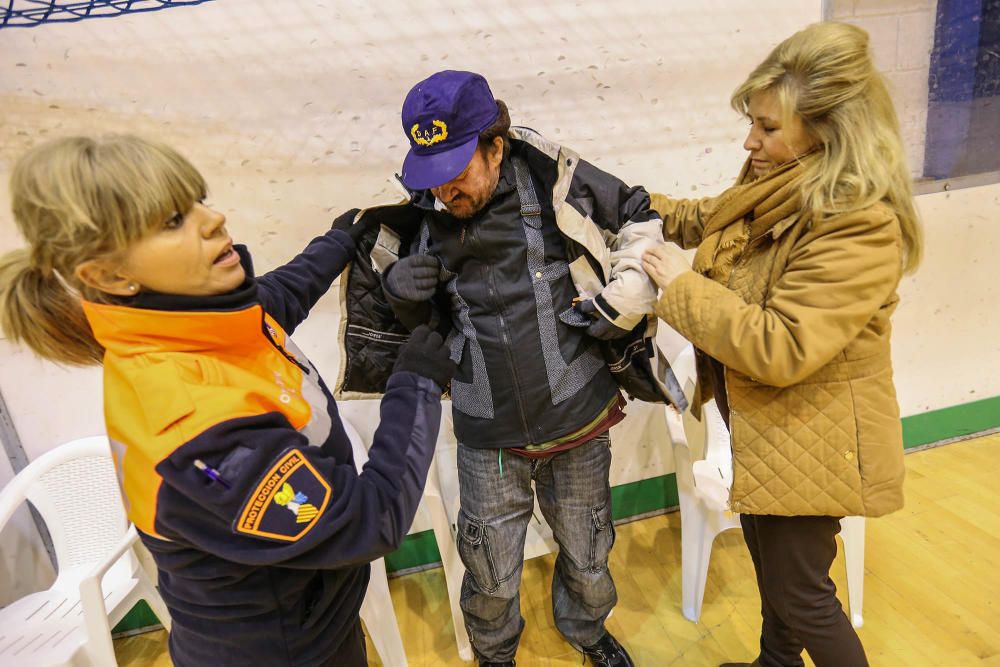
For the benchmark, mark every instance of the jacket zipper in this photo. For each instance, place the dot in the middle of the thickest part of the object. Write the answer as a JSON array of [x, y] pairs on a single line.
[[505, 338], [284, 353]]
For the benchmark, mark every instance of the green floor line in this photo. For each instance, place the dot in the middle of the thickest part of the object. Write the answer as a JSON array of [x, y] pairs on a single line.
[[648, 495]]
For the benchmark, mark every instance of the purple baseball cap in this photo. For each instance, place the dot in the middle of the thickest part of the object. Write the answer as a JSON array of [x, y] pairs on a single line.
[[442, 117]]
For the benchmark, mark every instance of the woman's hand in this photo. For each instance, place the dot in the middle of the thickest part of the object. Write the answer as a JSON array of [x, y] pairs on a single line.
[[665, 262]]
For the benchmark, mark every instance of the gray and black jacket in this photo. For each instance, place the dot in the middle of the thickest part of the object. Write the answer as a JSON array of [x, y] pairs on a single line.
[[528, 372]]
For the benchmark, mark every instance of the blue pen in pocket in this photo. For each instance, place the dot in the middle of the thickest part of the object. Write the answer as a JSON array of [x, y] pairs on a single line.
[[210, 472]]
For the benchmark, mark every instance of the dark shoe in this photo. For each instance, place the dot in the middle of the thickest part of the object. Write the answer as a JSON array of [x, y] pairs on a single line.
[[607, 652], [508, 663], [740, 664]]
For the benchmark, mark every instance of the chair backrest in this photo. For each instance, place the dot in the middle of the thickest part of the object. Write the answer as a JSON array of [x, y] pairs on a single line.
[[685, 371], [75, 489], [358, 447], [713, 473], [718, 447], [538, 540], [708, 443], [446, 461]]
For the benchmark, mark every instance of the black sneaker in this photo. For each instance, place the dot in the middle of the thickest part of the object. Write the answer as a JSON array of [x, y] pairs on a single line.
[[508, 663], [607, 652]]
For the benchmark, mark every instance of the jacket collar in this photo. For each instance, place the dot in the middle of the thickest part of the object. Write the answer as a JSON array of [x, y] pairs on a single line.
[[155, 322], [238, 298]]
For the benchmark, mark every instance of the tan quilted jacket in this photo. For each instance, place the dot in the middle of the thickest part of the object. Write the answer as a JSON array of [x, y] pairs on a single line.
[[803, 332]]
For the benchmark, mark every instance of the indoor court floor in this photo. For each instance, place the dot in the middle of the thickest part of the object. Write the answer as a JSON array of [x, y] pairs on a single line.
[[930, 594]]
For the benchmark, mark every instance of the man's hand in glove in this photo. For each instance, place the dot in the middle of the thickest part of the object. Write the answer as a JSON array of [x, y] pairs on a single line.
[[413, 278], [426, 354], [601, 328]]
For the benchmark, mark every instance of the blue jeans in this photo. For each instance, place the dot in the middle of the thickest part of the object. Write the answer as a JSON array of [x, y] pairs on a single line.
[[575, 497]]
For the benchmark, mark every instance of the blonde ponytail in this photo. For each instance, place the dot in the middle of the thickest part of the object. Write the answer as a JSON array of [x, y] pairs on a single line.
[[36, 309]]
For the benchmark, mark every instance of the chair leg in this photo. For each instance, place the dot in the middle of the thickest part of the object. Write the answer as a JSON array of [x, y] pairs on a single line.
[[148, 592], [450, 562], [155, 602], [99, 649], [853, 536], [696, 550], [454, 571], [380, 618]]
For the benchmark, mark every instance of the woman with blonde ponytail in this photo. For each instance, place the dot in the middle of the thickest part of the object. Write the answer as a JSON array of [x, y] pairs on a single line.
[[788, 304], [236, 468]]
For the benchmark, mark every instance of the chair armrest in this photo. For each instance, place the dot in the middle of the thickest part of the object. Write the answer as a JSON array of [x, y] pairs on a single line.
[[91, 593], [675, 426], [95, 613]]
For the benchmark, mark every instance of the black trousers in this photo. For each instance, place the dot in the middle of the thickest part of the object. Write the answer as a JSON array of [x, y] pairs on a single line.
[[352, 652], [798, 600]]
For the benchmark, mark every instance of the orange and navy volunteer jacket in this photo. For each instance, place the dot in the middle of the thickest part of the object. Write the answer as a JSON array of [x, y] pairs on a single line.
[[236, 469]]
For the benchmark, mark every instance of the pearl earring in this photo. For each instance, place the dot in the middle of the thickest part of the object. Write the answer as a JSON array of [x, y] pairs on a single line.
[[132, 287]]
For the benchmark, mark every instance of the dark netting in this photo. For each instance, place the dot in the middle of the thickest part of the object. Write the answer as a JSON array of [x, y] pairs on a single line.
[[27, 13]]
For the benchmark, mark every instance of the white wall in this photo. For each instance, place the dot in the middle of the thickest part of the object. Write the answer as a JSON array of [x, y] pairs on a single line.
[[292, 115], [946, 350], [902, 35]]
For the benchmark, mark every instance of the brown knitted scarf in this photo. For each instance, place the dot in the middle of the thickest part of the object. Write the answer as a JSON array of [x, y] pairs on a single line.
[[745, 211]]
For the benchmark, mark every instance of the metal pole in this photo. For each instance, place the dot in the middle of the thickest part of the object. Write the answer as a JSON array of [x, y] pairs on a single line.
[[18, 460]]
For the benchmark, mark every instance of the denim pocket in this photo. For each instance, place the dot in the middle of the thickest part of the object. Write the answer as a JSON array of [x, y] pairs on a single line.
[[474, 549], [602, 537]]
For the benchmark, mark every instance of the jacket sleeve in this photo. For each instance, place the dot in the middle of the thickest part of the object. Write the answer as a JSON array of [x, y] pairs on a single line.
[[837, 277], [683, 219], [631, 227], [289, 292], [283, 502]]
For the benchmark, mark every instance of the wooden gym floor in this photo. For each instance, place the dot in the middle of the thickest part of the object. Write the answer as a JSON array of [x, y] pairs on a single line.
[[931, 596]]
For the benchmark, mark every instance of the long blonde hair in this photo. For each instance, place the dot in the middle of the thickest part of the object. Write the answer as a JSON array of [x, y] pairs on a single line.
[[75, 199], [824, 74]]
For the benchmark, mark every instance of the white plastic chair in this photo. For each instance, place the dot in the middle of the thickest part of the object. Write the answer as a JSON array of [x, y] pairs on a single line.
[[75, 490], [442, 503], [703, 461], [377, 611]]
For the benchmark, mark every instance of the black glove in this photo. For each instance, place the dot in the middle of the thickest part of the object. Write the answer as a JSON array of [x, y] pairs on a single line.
[[602, 327], [426, 354], [401, 218], [345, 223], [413, 278]]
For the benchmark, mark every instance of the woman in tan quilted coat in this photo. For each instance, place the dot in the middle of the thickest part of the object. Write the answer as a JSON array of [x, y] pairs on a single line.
[[788, 302]]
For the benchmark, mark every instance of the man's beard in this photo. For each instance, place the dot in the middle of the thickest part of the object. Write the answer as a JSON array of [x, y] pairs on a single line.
[[465, 212], [474, 205]]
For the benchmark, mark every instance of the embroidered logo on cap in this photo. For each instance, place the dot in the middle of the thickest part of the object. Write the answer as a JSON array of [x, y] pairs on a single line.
[[278, 508], [437, 133]]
